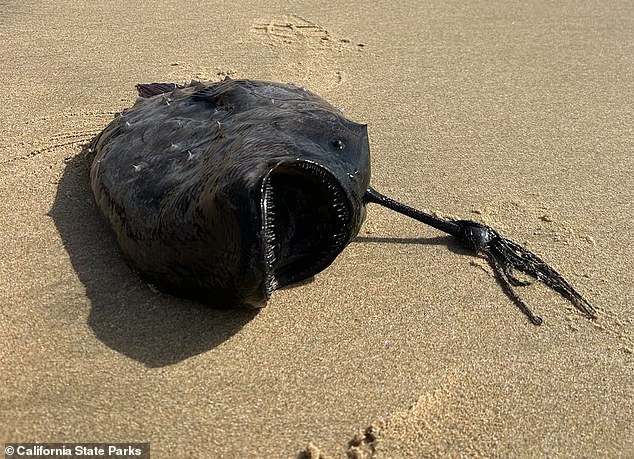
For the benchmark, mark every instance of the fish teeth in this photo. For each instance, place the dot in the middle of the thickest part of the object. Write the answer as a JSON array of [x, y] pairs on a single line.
[[269, 237]]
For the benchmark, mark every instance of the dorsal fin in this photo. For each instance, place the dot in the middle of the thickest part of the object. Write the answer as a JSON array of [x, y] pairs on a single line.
[[153, 89]]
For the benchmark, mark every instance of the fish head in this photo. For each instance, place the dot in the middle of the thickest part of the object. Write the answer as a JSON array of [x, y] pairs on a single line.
[[311, 199], [298, 171]]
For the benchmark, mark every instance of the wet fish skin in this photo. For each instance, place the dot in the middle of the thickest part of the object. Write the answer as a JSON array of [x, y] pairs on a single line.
[[179, 178]]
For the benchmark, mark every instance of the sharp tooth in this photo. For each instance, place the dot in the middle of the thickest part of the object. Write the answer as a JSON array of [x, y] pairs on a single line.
[[269, 228]]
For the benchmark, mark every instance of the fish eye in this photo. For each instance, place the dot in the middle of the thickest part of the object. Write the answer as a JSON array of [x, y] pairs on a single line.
[[338, 144]]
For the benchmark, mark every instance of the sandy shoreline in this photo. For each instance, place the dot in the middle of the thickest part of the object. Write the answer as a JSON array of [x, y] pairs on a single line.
[[518, 116]]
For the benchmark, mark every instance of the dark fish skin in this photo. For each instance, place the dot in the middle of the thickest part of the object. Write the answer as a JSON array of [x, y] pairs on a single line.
[[222, 192]]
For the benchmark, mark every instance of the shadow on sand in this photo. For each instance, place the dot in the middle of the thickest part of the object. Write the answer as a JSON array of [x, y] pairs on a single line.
[[448, 241], [126, 314]]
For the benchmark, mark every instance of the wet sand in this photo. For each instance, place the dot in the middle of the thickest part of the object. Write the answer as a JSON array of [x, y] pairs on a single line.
[[516, 115]]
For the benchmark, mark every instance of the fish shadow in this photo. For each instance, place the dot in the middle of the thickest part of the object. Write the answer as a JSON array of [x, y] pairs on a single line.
[[448, 241], [126, 314]]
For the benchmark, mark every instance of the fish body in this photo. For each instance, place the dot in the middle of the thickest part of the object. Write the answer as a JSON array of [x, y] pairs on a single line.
[[222, 192]]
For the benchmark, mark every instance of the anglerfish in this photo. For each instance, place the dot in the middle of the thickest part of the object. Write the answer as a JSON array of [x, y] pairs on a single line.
[[223, 192]]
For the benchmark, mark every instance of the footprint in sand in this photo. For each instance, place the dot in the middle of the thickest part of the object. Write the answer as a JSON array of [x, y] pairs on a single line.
[[289, 29]]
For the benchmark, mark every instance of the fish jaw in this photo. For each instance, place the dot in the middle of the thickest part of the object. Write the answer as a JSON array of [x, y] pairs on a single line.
[[307, 218]]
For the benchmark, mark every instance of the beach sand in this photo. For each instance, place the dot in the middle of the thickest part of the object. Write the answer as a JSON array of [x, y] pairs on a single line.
[[518, 115]]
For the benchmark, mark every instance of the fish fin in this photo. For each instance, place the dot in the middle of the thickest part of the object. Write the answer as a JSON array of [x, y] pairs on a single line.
[[153, 89]]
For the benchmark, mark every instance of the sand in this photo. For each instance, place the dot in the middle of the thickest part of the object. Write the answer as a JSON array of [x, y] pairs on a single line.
[[518, 115]]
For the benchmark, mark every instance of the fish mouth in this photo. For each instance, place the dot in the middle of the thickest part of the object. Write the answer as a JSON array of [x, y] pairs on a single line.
[[306, 221]]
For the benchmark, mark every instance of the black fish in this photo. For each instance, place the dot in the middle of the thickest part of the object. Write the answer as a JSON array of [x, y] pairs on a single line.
[[223, 192]]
